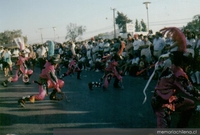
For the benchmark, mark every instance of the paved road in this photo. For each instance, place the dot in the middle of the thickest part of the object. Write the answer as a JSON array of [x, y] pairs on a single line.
[[114, 108]]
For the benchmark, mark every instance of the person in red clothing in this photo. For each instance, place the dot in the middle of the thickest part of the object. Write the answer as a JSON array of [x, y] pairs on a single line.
[[167, 98], [111, 71], [173, 87], [73, 67], [22, 70], [47, 79]]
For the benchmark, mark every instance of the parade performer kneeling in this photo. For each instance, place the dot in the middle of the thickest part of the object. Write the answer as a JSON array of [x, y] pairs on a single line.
[[111, 71], [73, 67], [47, 79], [173, 84], [22, 70]]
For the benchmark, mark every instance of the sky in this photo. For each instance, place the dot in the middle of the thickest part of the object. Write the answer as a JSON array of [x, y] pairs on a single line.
[[31, 15]]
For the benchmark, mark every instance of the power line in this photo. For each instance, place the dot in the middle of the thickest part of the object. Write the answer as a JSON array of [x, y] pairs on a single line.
[[167, 23], [171, 20]]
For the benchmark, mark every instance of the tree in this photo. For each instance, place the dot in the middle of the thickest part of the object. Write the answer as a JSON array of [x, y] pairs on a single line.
[[7, 37], [144, 26], [121, 21], [137, 26], [100, 35], [194, 25], [73, 31]]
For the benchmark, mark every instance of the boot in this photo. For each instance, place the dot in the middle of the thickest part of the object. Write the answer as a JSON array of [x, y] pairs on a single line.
[[94, 84], [53, 95], [90, 85], [23, 100], [4, 83], [63, 75]]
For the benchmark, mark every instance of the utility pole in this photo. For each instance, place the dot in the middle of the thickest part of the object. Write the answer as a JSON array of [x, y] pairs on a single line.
[[147, 6], [114, 22], [41, 34]]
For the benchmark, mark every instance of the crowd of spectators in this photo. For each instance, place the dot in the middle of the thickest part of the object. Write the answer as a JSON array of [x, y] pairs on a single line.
[[137, 58]]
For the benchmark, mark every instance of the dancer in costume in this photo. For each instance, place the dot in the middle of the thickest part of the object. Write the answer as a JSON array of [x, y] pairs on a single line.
[[173, 84], [47, 79], [73, 67], [111, 71], [22, 70]]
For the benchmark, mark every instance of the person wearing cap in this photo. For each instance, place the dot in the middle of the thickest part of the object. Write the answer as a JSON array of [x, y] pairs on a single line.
[[46, 79], [21, 70]]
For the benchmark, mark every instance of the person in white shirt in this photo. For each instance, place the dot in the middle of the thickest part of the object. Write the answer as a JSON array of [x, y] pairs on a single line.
[[158, 44], [41, 52], [27, 51], [106, 47], [136, 45], [15, 52], [145, 49], [100, 44], [89, 48], [190, 43], [72, 46]]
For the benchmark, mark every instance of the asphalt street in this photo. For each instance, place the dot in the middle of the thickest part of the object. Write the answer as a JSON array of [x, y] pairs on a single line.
[[113, 108]]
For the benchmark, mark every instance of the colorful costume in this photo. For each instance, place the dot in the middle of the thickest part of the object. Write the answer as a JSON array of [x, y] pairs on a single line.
[[47, 79], [22, 70], [172, 85], [72, 68], [110, 72], [166, 98]]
